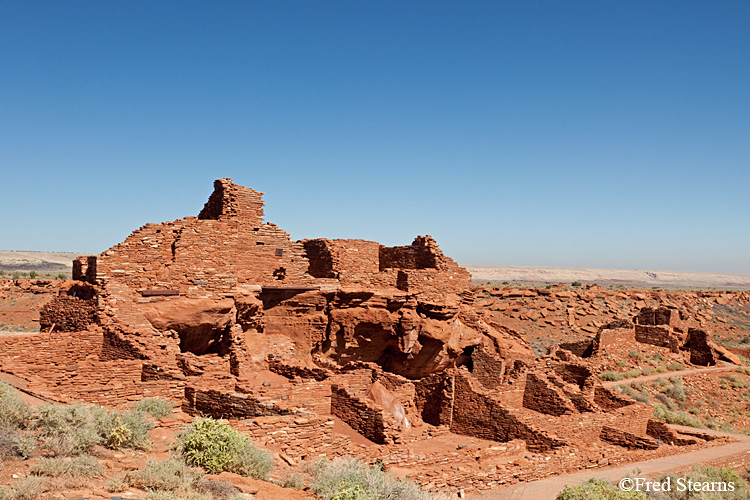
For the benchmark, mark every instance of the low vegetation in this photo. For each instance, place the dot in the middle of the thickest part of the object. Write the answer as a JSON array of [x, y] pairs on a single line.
[[74, 429], [156, 407], [217, 447], [599, 489], [350, 479]]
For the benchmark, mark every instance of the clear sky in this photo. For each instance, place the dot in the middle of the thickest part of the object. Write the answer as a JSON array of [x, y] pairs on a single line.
[[527, 133]]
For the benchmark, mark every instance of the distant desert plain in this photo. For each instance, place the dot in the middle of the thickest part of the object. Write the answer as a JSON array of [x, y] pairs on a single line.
[[56, 262]]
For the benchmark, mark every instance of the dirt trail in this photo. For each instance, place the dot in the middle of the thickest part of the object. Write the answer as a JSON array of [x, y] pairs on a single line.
[[547, 489], [682, 373]]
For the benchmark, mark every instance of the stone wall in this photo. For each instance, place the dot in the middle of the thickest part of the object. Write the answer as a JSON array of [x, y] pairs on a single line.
[[543, 397], [67, 314], [660, 336], [360, 414], [231, 404], [66, 367], [477, 413], [298, 437]]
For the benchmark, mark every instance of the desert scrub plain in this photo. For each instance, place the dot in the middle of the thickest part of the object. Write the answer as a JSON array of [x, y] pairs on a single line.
[[75, 451]]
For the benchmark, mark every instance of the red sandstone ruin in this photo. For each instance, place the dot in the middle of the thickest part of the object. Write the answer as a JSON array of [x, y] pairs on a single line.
[[224, 313]]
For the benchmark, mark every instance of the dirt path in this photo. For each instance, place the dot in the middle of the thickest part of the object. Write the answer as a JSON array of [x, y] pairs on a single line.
[[547, 489], [682, 373]]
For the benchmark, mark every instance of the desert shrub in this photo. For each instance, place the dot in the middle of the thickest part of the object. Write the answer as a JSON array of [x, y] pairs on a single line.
[[25, 446], [611, 376], [15, 275], [219, 490], [157, 408], [126, 429], [676, 390], [217, 447], [661, 412], [293, 481], [116, 484], [705, 475], [73, 429], [622, 363], [163, 475], [736, 381], [576, 283], [350, 479], [82, 466], [635, 354], [675, 367], [33, 274], [14, 412], [24, 488], [638, 396], [598, 489], [632, 374], [14, 444], [170, 495]]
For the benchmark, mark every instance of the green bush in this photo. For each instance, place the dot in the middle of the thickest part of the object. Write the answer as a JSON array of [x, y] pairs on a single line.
[[611, 376], [33, 274], [598, 489], [675, 367], [14, 412], [82, 466], [350, 479], [157, 408], [217, 447], [576, 283]]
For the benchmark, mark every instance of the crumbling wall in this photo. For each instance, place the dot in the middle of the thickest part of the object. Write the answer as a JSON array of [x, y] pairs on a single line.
[[434, 398], [230, 201], [627, 439], [360, 414], [231, 404], [702, 350], [297, 437], [67, 314], [67, 367], [477, 413], [541, 396], [658, 316], [608, 338], [84, 268], [660, 336], [340, 258]]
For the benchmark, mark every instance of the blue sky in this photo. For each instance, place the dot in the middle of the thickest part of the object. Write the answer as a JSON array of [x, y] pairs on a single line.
[[531, 133]]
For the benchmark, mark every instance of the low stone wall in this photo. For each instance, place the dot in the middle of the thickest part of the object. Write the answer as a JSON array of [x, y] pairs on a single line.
[[627, 439], [230, 404], [362, 415], [299, 437]]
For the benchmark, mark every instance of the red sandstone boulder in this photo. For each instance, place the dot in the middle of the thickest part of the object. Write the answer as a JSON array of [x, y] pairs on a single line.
[[378, 394]]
